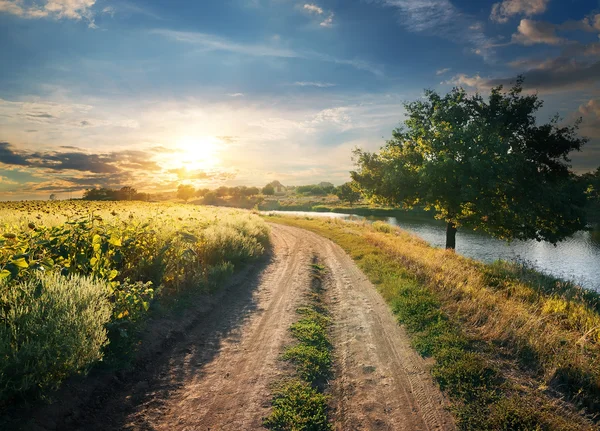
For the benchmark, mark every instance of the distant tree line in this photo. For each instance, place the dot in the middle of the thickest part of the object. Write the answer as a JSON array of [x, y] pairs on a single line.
[[123, 194], [591, 185]]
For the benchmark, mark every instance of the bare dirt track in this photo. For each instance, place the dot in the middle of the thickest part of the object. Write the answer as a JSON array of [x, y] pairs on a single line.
[[217, 374]]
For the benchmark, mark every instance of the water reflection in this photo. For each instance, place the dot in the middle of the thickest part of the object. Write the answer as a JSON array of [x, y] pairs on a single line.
[[577, 258]]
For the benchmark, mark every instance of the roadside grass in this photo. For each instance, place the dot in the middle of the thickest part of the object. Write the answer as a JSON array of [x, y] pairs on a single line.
[[298, 402], [513, 349]]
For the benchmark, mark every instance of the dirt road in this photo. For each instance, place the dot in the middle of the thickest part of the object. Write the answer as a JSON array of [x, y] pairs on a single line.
[[217, 375]]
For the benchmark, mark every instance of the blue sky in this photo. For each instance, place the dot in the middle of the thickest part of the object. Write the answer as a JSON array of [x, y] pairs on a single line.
[[155, 93]]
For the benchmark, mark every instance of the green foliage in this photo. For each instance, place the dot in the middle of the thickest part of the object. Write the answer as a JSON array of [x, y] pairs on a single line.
[[348, 192], [268, 190], [140, 253], [483, 164], [312, 363], [314, 190], [297, 406], [311, 333], [51, 326]]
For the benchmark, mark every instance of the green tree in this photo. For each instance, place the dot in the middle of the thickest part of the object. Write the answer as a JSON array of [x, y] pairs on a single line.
[[185, 192], [348, 192], [268, 190], [480, 163]]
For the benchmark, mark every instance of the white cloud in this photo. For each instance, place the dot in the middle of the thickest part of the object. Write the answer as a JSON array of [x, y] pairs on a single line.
[[208, 42], [501, 12], [313, 84], [475, 81], [319, 12], [313, 8], [327, 22], [442, 71], [57, 9], [235, 94], [532, 32]]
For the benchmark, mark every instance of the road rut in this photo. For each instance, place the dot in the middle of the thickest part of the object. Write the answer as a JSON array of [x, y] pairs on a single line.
[[218, 374]]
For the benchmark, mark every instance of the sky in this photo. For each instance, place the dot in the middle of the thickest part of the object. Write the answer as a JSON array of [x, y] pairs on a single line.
[[152, 94]]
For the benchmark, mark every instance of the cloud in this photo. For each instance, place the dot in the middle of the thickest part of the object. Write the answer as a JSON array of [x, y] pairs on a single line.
[[553, 75], [313, 8], [208, 42], [532, 32], [590, 24], [318, 11], [101, 163], [313, 84], [56, 9], [235, 94], [442, 71], [590, 112], [506, 9], [441, 18], [327, 22]]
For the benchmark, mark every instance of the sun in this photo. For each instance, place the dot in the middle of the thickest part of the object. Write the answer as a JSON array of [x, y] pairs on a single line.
[[196, 153]]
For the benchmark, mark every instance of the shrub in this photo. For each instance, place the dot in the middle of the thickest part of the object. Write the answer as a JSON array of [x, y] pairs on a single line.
[[51, 326]]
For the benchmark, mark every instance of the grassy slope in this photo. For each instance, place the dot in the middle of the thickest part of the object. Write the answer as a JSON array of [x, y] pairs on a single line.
[[514, 349]]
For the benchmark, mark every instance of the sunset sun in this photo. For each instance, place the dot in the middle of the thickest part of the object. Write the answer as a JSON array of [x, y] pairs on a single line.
[[196, 153]]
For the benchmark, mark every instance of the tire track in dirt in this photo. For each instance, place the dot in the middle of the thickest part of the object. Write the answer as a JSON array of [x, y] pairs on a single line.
[[381, 382], [217, 373]]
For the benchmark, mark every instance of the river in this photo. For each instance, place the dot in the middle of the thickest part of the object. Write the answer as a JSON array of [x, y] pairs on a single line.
[[576, 259]]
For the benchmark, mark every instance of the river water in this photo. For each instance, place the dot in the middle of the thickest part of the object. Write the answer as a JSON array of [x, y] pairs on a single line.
[[576, 259]]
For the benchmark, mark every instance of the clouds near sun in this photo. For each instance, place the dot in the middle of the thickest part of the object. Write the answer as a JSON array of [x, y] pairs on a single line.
[[150, 94]]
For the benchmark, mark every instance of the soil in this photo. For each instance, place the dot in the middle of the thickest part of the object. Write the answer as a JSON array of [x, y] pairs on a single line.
[[217, 366]]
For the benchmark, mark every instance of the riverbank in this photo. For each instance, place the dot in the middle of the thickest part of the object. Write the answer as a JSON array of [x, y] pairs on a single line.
[[513, 349]]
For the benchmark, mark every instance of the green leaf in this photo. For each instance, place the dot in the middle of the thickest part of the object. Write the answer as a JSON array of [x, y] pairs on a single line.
[[115, 241], [20, 263]]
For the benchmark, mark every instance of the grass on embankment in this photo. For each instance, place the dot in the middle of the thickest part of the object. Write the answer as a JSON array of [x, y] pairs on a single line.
[[299, 403], [513, 349]]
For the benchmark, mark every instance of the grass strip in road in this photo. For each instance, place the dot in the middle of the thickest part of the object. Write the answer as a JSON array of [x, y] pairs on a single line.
[[299, 403], [509, 353]]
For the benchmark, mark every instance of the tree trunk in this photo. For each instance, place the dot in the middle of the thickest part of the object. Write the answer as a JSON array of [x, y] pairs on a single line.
[[451, 236]]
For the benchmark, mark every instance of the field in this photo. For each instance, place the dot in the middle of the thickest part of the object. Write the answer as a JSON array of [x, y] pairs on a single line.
[[78, 279]]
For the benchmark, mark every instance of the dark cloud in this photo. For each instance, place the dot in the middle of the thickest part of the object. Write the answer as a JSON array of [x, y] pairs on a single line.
[[39, 115], [85, 123], [10, 157], [556, 74], [76, 160]]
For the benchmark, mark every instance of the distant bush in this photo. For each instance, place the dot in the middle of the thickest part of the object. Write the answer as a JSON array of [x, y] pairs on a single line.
[[52, 326], [383, 227]]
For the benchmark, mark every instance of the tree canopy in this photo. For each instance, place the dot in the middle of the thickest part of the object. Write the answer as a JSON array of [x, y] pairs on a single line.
[[185, 192], [348, 192], [485, 164]]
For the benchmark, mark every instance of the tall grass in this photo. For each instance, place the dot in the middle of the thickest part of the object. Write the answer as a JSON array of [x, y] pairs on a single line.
[[139, 254], [51, 326]]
